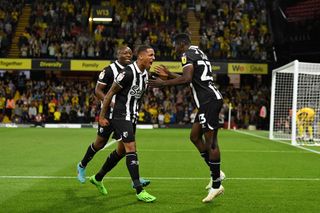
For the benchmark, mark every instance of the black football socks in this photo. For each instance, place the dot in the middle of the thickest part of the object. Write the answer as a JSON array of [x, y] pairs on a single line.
[[215, 173], [110, 163], [88, 156], [133, 168]]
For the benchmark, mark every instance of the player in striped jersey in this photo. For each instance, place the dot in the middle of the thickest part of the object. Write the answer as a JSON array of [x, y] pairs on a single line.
[[105, 80], [197, 71], [129, 87]]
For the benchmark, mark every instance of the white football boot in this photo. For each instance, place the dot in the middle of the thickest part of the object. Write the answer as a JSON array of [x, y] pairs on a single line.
[[222, 177], [213, 193]]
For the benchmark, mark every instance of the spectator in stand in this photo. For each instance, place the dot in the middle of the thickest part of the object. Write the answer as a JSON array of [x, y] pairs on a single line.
[[2, 103], [10, 106], [57, 115], [32, 111], [38, 121]]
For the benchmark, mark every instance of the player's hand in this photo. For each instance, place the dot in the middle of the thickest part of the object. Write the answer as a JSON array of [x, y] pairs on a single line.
[[103, 121], [156, 82], [162, 71]]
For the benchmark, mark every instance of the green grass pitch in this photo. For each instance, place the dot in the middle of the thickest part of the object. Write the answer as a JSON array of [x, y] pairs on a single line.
[[38, 174]]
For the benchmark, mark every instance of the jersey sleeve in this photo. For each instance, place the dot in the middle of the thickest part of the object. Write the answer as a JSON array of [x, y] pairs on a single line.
[[187, 58], [105, 75], [123, 77]]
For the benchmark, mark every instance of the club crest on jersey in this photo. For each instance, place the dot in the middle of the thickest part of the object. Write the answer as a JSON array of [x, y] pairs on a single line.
[[135, 91], [184, 59], [125, 134]]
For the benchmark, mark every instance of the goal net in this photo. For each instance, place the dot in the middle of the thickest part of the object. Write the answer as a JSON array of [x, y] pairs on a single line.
[[295, 103]]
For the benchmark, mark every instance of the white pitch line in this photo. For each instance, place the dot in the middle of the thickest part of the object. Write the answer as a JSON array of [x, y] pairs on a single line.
[[225, 150], [299, 147], [167, 178]]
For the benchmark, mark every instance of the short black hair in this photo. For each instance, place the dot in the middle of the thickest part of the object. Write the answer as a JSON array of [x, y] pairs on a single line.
[[182, 38], [142, 48]]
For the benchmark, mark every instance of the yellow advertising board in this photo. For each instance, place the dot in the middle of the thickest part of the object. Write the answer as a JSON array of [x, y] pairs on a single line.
[[15, 64], [244, 68], [88, 65], [173, 66]]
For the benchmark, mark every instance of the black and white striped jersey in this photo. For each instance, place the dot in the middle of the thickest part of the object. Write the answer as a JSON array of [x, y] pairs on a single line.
[[106, 77], [133, 82], [203, 88]]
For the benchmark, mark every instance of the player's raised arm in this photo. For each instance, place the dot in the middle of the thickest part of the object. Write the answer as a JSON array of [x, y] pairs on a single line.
[[115, 88]]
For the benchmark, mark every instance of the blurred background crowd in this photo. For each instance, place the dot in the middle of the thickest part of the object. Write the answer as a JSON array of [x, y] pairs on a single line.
[[55, 101], [229, 29], [256, 31]]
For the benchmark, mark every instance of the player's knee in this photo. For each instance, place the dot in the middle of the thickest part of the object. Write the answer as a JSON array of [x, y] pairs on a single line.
[[99, 144], [130, 147], [194, 138], [214, 144], [121, 152]]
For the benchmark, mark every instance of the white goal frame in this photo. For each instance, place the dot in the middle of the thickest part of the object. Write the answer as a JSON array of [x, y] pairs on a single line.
[[288, 89]]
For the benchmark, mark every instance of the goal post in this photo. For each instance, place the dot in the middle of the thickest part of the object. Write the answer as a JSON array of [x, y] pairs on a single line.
[[295, 103]]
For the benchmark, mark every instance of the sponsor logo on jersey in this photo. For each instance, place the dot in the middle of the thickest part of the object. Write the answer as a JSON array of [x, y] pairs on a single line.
[[135, 91], [101, 76]]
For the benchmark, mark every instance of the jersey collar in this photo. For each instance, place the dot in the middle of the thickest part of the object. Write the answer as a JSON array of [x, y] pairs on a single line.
[[117, 62], [137, 68], [193, 47]]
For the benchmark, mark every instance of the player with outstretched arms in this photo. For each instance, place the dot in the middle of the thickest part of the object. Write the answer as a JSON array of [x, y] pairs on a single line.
[[197, 71]]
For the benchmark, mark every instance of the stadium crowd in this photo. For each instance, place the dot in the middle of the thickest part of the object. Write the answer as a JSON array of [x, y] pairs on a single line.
[[60, 28], [234, 29], [9, 15], [229, 29], [55, 101]]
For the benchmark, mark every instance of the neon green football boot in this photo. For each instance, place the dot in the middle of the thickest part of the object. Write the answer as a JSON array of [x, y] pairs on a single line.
[[99, 185], [145, 197]]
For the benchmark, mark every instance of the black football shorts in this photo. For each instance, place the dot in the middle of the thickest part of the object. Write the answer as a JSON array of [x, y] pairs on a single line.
[[208, 115], [126, 130], [106, 131]]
